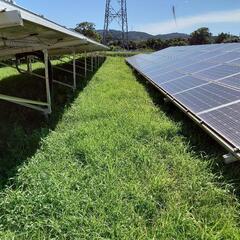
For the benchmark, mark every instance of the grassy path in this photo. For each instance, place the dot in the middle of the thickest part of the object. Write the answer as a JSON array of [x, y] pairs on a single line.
[[116, 168]]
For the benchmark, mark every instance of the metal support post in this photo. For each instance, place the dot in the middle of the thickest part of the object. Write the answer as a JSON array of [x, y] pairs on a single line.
[[85, 60], [92, 67], [29, 64], [74, 72], [46, 59], [95, 61]]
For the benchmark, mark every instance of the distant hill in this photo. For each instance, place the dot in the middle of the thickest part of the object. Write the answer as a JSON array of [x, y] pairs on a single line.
[[139, 36], [172, 35]]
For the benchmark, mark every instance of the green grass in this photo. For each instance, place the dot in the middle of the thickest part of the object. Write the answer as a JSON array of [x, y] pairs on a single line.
[[117, 167], [22, 129], [125, 53]]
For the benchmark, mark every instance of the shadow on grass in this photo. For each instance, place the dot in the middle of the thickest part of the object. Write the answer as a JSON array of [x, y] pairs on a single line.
[[21, 129], [199, 141]]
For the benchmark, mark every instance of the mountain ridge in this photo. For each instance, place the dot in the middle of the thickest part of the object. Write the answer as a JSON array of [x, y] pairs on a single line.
[[140, 36]]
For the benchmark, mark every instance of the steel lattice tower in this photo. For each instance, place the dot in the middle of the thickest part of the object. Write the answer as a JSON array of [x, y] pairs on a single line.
[[116, 13]]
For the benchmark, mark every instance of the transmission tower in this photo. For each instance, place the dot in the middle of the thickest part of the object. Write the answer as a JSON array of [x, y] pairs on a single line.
[[118, 13]]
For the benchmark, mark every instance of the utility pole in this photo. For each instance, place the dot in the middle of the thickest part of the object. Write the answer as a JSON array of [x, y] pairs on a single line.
[[118, 13]]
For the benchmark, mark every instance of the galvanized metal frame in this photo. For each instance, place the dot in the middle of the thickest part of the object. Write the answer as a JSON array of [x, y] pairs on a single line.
[[73, 86], [12, 15], [44, 107]]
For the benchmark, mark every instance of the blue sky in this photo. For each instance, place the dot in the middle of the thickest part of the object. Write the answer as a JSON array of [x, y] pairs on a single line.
[[152, 16]]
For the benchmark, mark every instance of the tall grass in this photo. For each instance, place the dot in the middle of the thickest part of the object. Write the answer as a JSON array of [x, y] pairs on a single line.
[[116, 167]]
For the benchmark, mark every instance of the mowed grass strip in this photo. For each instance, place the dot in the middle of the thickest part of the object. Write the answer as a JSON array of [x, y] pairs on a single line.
[[117, 167]]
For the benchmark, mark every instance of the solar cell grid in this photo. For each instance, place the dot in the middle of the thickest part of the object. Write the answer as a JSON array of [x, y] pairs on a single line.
[[179, 64], [207, 97], [231, 81], [214, 47], [231, 47], [235, 62], [225, 57], [218, 72], [182, 84], [167, 77], [165, 68], [197, 67], [207, 55], [155, 69], [226, 121]]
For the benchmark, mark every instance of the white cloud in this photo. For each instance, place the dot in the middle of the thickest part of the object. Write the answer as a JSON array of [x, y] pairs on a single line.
[[232, 16]]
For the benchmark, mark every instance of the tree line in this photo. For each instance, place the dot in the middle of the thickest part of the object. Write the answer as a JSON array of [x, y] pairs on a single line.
[[198, 37]]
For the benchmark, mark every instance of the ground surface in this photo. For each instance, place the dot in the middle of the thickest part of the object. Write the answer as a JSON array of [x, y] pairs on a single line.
[[115, 167]]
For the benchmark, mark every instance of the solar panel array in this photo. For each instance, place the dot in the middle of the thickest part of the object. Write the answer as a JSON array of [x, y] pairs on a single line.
[[24, 31], [204, 80]]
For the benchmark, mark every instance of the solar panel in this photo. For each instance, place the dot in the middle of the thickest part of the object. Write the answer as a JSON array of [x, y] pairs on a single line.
[[29, 36], [167, 77], [208, 55], [231, 81], [226, 121], [205, 81], [197, 67], [33, 33], [229, 56], [206, 97], [231, 47], [235, 62], [219, 72], [182, 84]]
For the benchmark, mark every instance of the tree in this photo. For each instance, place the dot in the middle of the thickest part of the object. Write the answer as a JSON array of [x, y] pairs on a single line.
[[200, 36], [176, 42], [88, 30], [155, 44], [226, 38], [222, 37], [132, 45], [141, 45]]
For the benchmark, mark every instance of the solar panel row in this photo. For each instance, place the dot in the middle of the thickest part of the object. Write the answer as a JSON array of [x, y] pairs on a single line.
[[204, 79], [26, 35]]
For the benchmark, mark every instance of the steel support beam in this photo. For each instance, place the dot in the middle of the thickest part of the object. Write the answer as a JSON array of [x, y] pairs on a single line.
[[77, 66], [66, 70]]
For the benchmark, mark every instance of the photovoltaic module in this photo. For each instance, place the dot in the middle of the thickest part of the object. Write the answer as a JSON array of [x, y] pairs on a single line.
[[204, 81]]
